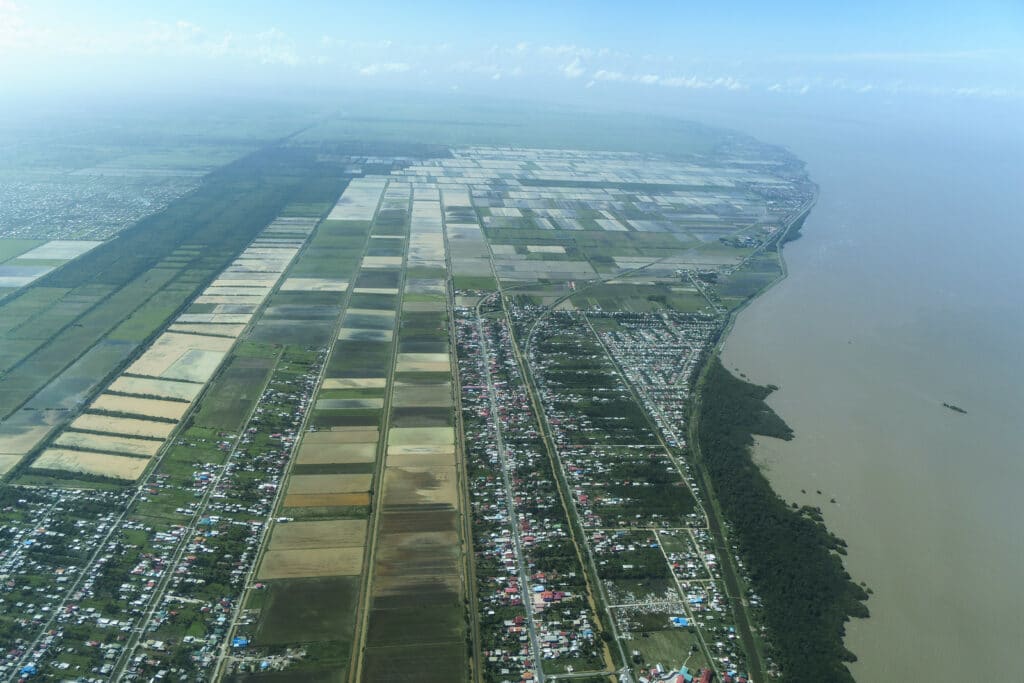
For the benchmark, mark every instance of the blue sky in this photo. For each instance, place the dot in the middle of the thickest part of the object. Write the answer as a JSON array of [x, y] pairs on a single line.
[[587, 50]]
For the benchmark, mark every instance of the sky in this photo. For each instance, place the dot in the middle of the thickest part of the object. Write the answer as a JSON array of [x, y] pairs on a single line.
[[641, 53]]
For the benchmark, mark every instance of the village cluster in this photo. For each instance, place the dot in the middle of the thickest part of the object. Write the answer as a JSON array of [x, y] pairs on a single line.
[[532, 595], [148, 587], [659, 355], [644, 533], [635, 496], [88, 204]]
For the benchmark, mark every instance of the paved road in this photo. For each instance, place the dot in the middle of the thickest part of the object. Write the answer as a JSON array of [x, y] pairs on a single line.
[[160, 591], [513, 519], [733, 587], [586, 557], [224, 656], [682, 472]]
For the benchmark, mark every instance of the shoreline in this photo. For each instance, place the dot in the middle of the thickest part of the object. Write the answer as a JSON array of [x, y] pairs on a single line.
[[779, 243], [836, 547], [867, 337]]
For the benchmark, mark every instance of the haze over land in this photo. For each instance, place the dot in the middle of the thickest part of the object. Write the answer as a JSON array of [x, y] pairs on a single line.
[[903, 292]]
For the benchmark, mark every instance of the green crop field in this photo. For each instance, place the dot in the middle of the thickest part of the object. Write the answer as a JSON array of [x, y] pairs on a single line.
[[69, 311], [233, 393], [12, 248], [307, 610]]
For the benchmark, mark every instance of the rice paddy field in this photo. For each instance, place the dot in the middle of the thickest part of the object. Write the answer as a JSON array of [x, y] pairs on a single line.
[[327, 505], [310, 562], [24, 261], [388, 371], [68, 332], [87, 462], [234, 392], [131, 405], [309, 611], [152, 387], [342, 533], [329, 489], [417, 575], [142, 406], [92, 422], [336, 453], [108, 443], [149, 355]]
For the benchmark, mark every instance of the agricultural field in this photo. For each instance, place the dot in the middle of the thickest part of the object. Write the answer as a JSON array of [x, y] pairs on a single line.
[[143, 448], [186, 357], [155, 388], [233, 393], [159, 387], [310, 484], [336, 453], [267, 371], [420, 491], [310, 562], [97, 464], [342, 533], [143, 407], [309, 611], [70, 331], [19, 268], [318, 541], [91, 422]]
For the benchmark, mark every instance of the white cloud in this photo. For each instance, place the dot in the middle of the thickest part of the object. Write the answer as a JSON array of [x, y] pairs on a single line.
[[273, 47], [691, 82], [147, 39], [796, 86], [915, 57], [26, 35], [487, 70], [564, 50], [573, 69], [685, 82], [698, 83], [384, 68], [13, 32], [184, 38]]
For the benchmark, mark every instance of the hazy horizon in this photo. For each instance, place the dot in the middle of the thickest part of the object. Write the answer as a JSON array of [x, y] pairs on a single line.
[[932, 63]]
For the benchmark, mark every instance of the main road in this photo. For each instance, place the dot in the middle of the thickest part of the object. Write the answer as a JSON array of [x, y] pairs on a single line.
[[521, 563]]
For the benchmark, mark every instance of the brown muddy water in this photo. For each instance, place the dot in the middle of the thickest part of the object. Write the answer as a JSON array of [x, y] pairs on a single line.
[[906, 292]]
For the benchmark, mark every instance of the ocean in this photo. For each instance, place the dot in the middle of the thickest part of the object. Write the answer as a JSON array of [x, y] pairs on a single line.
[[905, 292]]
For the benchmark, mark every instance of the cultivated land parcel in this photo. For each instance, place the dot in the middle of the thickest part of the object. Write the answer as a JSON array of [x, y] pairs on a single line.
[[364, 412]]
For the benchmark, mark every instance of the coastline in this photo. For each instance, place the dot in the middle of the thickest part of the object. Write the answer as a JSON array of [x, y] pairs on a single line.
[[779, 243], [836, 593], [890, 308]]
